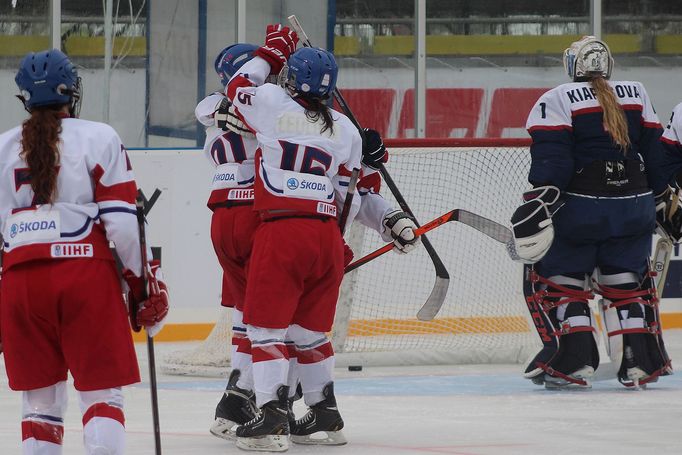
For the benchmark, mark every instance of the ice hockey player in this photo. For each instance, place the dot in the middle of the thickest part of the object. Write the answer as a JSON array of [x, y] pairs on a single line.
[[306, 154], [233, 226], [72, 191], [595, 170]]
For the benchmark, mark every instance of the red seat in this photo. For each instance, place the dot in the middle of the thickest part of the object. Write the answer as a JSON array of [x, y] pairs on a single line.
[[510, 108], [371, 106], [446, 109]]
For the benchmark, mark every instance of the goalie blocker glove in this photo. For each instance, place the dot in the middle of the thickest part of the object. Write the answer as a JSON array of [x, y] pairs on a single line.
[[373, 151], [401, 227], [669, 213], [532, 223]]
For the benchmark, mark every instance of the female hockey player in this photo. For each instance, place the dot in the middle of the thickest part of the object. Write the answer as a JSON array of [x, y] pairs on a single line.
[[68, 191], [233, 225], [591, 215], [306, 154]]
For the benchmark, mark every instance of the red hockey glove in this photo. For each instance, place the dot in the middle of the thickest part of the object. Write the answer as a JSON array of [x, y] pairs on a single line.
[[347, 255], [280, 43], [152, 310]]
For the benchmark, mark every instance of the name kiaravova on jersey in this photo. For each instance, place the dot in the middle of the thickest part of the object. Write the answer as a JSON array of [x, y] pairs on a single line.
[[587, 93]]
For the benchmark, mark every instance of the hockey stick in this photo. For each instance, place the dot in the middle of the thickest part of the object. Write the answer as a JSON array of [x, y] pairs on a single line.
[[488, 227], [440, 287], [347, 203], [140, 209]]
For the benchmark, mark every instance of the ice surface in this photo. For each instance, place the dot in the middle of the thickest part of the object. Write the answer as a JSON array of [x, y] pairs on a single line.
[[486, 409]]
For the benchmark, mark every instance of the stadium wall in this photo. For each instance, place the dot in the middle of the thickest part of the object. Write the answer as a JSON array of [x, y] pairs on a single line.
[[484, 104]]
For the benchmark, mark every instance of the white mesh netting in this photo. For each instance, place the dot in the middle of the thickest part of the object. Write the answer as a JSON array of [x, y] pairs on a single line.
[[483, 318]]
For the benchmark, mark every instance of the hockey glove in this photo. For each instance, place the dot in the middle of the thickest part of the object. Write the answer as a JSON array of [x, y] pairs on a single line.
[[280, 43], [401, 226], [669, 213], [373, 151], [532, 223], [152, 310], [227, 119]]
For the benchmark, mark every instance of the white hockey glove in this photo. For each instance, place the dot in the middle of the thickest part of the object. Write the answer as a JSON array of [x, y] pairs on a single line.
[[226, 119], [532, 223], [669, 213], [401, 226]]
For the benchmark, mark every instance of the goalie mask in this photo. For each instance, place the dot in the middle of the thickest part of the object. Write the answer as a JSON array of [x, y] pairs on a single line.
[[588, 57]]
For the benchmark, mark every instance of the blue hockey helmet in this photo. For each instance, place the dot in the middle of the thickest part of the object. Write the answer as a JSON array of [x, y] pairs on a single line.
[[48, 78], [311, 71], [230, 59]]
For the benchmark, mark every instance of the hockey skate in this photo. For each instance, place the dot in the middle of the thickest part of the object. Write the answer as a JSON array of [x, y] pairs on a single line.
[[236, 407], [268, 431], [322, 423], [583, 374]]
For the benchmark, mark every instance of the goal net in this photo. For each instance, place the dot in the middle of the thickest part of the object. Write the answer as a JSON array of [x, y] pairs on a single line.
[[483, 318]]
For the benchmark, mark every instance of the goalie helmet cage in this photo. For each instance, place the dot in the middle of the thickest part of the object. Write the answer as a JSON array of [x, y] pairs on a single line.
[[484, 317]]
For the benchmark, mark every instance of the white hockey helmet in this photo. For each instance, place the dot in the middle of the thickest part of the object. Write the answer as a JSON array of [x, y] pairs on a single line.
[[588, 57]]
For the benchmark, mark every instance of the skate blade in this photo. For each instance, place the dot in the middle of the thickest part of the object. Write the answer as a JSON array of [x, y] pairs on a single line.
[[224, 429], [268, 443], [565, 385], [326, 438]]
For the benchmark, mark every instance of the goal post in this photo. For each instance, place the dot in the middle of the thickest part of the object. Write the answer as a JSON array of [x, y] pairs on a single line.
[[483, 318]]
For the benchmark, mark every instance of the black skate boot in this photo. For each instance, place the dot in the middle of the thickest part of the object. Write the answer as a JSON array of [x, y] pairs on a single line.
[[268, 431], [322, 424], [236, 407], [575, 365]]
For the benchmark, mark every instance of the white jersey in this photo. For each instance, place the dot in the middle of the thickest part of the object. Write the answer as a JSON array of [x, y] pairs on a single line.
[[230, 153], [672, 134], [94, 201], [299, 168]]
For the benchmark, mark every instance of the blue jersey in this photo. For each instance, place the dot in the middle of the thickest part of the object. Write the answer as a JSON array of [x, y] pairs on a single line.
[[568, 132]]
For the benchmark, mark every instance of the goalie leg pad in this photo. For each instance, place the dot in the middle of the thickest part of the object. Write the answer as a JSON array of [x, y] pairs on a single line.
[[562, 317], [632, 323]]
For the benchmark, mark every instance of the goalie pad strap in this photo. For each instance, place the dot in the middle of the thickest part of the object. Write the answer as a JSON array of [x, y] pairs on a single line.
[[565, 330], [653, 329], [558, 374], [652, 377]]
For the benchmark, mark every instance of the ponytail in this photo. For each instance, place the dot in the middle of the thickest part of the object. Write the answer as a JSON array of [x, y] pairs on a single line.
[[39, 139], [316, 109], [614, 116]]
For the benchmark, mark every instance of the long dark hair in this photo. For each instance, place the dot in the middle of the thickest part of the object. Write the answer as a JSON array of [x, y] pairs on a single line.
[[316, 109], [39, 139]]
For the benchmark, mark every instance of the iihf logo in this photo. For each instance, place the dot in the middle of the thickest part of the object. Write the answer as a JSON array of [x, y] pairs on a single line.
[[292, 183], [13, 230], [57, 250]]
